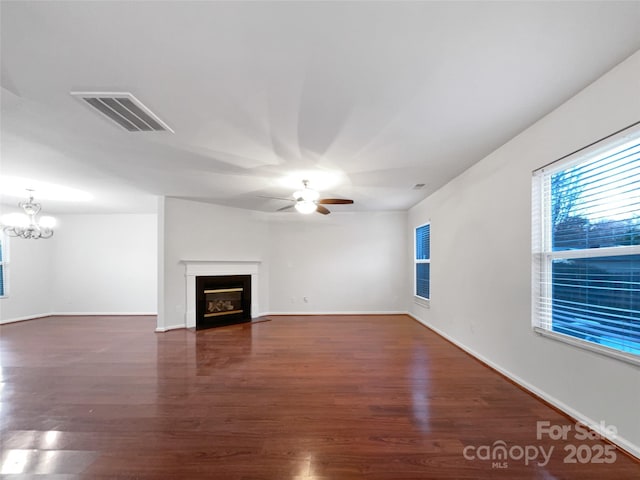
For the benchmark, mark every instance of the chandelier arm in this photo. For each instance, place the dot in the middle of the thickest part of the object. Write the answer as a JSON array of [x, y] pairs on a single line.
[[11, 231]]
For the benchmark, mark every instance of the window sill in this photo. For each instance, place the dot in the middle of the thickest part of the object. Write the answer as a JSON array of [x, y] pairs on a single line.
[[593, 347], [424, 302]]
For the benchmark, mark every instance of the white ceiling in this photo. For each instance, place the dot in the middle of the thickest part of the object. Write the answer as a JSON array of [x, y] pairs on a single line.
[[375, 96]]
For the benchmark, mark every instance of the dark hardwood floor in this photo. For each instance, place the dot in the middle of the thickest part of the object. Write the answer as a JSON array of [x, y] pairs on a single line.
[[313, 398]]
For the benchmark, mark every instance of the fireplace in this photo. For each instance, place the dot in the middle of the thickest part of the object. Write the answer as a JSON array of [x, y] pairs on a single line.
[[222, 300], [200, 268]]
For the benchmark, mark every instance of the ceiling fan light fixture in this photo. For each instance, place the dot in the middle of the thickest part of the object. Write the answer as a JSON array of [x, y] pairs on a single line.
[[306, 206], [307, 194]]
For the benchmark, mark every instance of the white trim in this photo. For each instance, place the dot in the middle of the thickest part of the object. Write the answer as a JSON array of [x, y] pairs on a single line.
[[417, 261], [106, 314], [594, 347], [194, 268], [161, 297], [423, 302], [27, 317], [594, 252], [311, 313], [166, 329], [621, 442], [297, 314]]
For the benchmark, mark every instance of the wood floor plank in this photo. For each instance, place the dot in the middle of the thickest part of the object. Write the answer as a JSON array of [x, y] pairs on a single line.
[[295, 397]]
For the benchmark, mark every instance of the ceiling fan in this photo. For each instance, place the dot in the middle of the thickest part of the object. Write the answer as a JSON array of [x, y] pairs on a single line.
[[308, 200]]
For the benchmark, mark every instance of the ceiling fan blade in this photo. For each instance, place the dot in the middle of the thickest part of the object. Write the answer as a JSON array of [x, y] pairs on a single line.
[[277, 198], [322, 210], [334, 201], [288, 207]]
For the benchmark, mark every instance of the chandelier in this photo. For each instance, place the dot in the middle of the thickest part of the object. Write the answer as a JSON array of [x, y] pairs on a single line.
[[26, 225]]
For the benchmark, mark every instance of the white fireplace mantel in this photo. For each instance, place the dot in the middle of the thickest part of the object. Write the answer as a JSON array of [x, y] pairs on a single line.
[[198, 268]]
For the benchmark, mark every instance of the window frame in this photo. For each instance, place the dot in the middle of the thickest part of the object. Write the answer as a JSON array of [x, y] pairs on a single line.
[[4, 262], [417, 261], [543, 254]]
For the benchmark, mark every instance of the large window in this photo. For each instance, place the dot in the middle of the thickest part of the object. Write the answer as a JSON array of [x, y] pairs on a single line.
[[586, 247], [423, 261]]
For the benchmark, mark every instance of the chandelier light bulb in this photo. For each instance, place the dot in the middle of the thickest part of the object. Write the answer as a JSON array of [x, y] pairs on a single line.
[[47, 222], [15, 220]]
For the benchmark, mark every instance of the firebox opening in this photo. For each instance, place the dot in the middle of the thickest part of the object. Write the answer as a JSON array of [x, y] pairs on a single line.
[[222, 300]]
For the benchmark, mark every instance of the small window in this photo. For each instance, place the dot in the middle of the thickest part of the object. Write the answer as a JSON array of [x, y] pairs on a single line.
[[586, 247], [423, 262], [3, 266]]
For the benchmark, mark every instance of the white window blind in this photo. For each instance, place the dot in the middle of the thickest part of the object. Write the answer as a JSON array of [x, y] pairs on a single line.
[[423, 261], [586, 246]]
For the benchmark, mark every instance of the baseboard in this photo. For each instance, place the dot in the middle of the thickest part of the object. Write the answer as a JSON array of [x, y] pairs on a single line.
[[309, 314], [102, 314], [170, 327], [621, 442], [334, 313], [22, 319]]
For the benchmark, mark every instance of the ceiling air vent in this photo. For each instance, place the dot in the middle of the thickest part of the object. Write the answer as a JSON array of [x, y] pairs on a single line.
[[418, 186], [125, 110]]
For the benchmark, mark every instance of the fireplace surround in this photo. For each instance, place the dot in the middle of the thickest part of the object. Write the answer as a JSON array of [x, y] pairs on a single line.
[[196, 268]]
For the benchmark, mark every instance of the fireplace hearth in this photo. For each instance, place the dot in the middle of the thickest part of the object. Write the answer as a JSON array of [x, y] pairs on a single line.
[[222, 300]]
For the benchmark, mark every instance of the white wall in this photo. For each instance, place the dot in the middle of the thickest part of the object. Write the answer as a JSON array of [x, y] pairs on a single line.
[[351, 262], [343, 262], [94, 264], [105, 264], [201, 231], [29, 280], [481, 261]]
